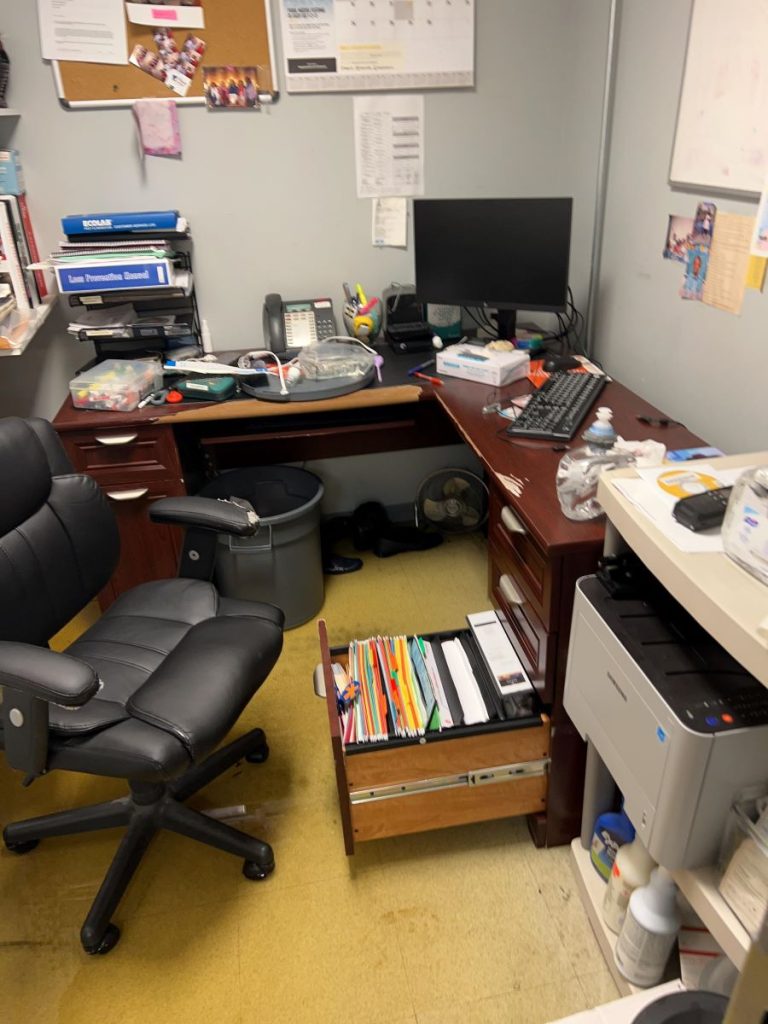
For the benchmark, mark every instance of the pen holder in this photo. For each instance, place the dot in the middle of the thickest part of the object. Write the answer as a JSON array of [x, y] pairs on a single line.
[[363, 321]]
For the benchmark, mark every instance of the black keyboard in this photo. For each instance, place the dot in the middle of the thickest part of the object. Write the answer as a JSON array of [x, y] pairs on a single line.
[[556, 409]]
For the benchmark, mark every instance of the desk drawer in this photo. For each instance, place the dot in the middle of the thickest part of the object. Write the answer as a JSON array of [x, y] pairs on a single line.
[[535, 644], [148, 551], [495, 770], [532, 568], [118, 454]]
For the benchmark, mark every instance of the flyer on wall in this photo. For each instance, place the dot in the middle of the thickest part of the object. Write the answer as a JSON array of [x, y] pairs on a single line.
[[332, 45], [168, 13]]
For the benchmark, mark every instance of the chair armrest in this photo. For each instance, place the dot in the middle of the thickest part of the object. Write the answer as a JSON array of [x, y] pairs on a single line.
[[235, 516], [47, 675]]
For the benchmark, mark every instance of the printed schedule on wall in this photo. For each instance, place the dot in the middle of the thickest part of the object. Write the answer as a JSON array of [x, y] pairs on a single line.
[[354, 45]]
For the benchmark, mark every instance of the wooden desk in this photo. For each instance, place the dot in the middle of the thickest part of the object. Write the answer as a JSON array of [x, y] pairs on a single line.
[[535, 553]]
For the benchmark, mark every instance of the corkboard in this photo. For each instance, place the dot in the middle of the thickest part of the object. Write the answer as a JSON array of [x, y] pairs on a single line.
[[237, 32]]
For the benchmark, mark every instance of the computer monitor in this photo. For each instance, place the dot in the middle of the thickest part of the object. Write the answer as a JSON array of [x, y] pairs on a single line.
[[502, 254]]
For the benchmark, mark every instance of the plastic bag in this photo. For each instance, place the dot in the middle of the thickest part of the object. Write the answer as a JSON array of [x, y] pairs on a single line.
[[325, 360]]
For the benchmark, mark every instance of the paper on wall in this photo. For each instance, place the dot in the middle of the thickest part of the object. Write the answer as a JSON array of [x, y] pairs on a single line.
[[756, 272], [389, 145], [728, 260], [88, 30], [389, 222], [157, 124], [165, 15]]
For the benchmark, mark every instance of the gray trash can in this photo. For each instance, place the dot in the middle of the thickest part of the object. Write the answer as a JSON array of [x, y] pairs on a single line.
[[282, 563]]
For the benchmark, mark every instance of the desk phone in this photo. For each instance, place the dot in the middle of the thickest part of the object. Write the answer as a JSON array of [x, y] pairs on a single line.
[[289, 326]]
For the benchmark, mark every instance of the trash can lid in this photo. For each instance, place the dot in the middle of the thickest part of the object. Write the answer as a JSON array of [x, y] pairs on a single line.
[[272, 490], [685, 1008]]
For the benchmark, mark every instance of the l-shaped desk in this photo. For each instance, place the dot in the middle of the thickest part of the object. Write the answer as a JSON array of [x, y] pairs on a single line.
[[535, 554]]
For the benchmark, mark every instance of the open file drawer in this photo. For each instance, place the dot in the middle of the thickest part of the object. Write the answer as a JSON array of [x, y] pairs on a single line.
[[465, 774]]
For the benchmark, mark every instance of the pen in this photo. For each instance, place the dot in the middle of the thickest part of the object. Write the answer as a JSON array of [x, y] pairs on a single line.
[[422, 366], [432, 380]]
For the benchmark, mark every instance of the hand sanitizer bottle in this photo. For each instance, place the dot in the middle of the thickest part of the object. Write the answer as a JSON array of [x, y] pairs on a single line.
[[745, 527], [580, 469]]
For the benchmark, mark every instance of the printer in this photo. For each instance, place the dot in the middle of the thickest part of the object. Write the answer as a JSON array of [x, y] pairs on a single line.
[[679, 724]]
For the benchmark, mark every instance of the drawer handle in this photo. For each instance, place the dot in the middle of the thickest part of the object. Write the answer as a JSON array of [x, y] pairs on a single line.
[[128, 495], [510, 520], [115, 438], [510, 591]]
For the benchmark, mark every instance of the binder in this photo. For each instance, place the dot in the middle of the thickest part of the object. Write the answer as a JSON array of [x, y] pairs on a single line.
[[101, 223], [109, 277], [34, 252], [451, 694], [491, 698]]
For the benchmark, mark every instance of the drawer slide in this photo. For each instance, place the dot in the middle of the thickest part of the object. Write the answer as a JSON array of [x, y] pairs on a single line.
[[481, 777]]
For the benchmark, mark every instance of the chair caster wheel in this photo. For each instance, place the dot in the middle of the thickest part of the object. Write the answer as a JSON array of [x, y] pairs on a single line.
[[258, 756], [22, 847], [109, 940], [255, 871]]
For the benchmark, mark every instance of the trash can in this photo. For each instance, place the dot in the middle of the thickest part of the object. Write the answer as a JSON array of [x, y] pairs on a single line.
[[282, 562]]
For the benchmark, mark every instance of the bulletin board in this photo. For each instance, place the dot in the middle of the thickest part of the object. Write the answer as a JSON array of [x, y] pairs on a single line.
[[237, 32], [721, 141]]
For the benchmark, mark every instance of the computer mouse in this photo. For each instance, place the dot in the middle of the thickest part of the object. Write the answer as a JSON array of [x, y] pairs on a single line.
[[554, 363]]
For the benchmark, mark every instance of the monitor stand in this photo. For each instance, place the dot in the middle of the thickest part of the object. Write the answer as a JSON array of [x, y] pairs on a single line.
[[506, 320]]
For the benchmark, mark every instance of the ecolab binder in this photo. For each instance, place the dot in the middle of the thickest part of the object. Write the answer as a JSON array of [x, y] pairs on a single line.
[[107, 277], [100, 223]]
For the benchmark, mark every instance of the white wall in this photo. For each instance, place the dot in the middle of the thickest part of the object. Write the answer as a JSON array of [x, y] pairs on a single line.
[[705, 367]]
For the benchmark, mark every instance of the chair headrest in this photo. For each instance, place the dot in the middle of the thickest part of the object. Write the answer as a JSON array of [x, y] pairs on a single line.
[[25, 474]]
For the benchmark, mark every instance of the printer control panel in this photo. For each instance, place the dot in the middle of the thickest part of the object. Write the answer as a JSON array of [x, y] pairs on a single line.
[[716, 714]]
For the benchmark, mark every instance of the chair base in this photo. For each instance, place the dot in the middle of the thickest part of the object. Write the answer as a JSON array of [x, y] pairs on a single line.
[[149, 808]]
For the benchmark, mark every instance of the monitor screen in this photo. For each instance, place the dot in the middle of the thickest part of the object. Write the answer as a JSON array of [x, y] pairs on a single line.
[[499, 253]]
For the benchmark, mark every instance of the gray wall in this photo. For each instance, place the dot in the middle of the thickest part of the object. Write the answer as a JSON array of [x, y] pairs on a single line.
[[705, 367], [271, 196]]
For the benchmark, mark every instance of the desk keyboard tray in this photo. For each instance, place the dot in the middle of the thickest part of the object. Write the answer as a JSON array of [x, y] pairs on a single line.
[[498, 769]]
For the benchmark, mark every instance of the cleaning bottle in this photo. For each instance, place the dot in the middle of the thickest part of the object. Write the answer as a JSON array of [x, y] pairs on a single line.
[[580, 469], [612, 830], [631, 869], [650, 926]]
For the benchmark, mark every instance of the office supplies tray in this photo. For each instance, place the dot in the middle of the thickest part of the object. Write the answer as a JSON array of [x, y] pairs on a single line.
[[464, 774]]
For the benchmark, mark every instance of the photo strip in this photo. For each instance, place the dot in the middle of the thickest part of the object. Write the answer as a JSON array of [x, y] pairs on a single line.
[[232, 88]]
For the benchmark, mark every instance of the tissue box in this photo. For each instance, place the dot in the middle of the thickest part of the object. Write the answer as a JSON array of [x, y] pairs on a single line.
[[483, 365], [11, 174]]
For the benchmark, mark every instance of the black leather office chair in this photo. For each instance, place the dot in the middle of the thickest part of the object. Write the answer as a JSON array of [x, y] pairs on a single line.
[[148, 692]]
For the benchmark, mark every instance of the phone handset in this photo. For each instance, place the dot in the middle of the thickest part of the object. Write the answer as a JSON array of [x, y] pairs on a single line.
[[274, 323]]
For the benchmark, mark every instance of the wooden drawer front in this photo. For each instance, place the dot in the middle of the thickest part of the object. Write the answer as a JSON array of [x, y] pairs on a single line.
[[148, 551], [534, 643], [119, 454], [414, 762], [533, 570], [421, 812]]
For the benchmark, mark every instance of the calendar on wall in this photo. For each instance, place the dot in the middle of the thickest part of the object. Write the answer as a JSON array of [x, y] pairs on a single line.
[[354, 45]]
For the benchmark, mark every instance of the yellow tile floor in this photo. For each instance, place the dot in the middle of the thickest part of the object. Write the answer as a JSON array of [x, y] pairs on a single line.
[[466, 925]]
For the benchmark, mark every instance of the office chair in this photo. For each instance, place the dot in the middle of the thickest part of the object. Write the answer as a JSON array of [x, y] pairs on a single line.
[[148, 692]]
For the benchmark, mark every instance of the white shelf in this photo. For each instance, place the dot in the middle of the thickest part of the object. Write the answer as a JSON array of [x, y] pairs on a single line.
[[592, 890], [7, 112], [700, 889], [21, 328]]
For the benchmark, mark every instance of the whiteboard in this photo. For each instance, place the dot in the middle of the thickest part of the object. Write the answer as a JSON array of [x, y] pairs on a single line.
[[721, 142]]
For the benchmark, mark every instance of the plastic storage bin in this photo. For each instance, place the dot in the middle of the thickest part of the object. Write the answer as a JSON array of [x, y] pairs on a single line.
[[116, 384], [282, 563]]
